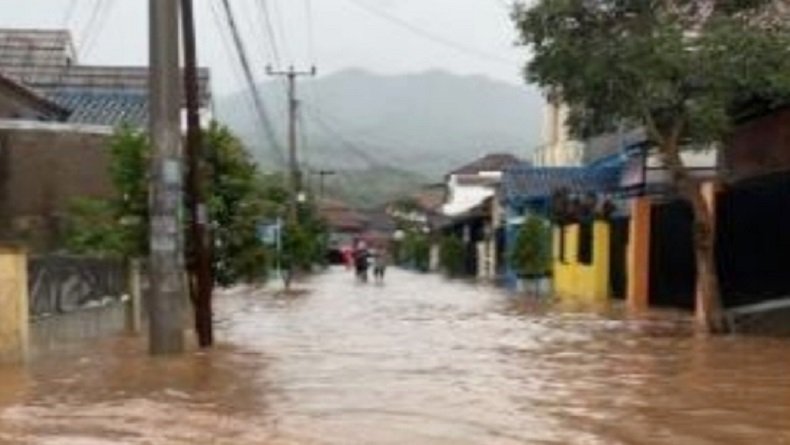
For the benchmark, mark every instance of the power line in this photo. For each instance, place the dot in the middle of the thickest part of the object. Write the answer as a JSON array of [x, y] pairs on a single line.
[[430, 35], [90, 41], [278, 21], [348, 144], [247, 69], [265, 15], [308, 7], [87, 30], [386, 146], [228, 46]]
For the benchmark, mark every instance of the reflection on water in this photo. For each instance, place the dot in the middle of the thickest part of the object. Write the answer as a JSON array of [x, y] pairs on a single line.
[[417, 361]]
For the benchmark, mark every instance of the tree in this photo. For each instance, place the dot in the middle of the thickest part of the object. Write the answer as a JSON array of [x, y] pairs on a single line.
[[531, 254], [452, 255], [678, 68], [117, 226], [239, 199]]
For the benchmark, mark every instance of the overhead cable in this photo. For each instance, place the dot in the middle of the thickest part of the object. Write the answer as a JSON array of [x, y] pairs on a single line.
[[428, 35], [238, 43]]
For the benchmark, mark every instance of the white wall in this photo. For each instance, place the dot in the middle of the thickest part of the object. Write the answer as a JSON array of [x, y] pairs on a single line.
[[462, 197]]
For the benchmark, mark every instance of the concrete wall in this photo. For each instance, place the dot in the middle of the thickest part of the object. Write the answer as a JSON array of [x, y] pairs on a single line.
[[41, 173], [14, 320], [62, 332], [573, 279], [463, 197]]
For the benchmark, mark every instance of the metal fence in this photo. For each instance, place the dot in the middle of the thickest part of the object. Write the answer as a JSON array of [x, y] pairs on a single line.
[[63, 284]]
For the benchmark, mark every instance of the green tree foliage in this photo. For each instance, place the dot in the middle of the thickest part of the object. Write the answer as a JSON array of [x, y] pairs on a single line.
[[452, 255], [531, 254], [118, 226], [415, 250], [680, 69], [239, 199]]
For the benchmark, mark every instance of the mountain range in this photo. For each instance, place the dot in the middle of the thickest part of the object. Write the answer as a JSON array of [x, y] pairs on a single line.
[[425, 124]]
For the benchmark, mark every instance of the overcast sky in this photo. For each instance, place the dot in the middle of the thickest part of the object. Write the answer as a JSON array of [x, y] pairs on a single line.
[[384, 36]]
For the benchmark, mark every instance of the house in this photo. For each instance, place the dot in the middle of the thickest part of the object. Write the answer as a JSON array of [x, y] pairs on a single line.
[[752, 210], [56, 116], [420, 213], [344, 224], [475, 182], [473, 212], [20, 102], [582, 238]]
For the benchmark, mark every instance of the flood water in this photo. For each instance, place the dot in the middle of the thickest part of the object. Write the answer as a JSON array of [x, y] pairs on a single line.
[[417, 361]]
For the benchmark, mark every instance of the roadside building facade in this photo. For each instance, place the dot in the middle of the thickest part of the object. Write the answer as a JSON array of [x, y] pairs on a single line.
[[56, 118]]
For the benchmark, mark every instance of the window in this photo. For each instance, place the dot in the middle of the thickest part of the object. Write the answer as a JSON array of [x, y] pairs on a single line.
[[585, 253]]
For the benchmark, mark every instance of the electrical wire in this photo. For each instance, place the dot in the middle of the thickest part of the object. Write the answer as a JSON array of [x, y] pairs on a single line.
[[241, 52], [232, 61], [428, 35], [278, 21], [90, 25], [349, 145], [265, 17], [90, 41], [309, 20]]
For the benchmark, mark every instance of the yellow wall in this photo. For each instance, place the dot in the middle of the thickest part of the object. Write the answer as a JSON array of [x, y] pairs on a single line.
[[575, 280], [14, 319]]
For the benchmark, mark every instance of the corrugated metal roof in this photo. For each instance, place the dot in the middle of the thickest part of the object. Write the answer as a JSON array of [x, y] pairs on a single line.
[[104, 107], [490, 163], [525, 183]]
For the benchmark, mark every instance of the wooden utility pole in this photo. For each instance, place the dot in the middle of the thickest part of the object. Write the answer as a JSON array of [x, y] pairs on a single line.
[[166, 262], [199, 253], [295, 175]]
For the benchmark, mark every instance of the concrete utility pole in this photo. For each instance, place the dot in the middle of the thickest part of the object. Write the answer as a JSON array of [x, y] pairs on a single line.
[[322, 174], [295, 178], [166, 268], [199, 255]]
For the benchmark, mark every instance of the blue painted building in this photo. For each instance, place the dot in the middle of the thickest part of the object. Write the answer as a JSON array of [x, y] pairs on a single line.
[[528, 190]]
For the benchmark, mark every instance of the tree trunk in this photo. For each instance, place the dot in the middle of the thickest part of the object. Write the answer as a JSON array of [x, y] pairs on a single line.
[[708, 298]]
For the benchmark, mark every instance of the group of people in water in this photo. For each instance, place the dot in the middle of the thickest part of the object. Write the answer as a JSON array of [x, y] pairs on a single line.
[[362, 259]]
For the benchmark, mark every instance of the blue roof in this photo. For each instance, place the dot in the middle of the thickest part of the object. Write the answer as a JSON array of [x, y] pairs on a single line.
[[103, 107], [524, 183]]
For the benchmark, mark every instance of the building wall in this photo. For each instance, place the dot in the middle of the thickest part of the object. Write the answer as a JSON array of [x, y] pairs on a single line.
[[13, 305], [462, 197], [558, 149], [759, 146], [41, 173], [573, 279]]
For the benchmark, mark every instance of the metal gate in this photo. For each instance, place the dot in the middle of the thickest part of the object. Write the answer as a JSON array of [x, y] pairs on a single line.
[[753, 240], [672, 267]]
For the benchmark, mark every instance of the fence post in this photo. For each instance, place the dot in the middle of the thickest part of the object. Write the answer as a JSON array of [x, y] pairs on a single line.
[[134, 312], [14, 315]]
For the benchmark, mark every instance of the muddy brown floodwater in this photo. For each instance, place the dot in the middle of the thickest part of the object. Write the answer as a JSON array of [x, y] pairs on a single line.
[[416, 361]]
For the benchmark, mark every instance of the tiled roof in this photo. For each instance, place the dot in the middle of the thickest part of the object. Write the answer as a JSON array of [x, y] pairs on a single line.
[[526, 183], [104, 107], [490, 163]]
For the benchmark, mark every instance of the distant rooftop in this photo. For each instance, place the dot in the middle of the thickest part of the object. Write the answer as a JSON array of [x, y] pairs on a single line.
[[39, 47], [45, 61], [495, 162]]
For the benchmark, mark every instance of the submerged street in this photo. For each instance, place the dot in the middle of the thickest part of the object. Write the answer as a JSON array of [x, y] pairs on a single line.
[[418, 360]]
